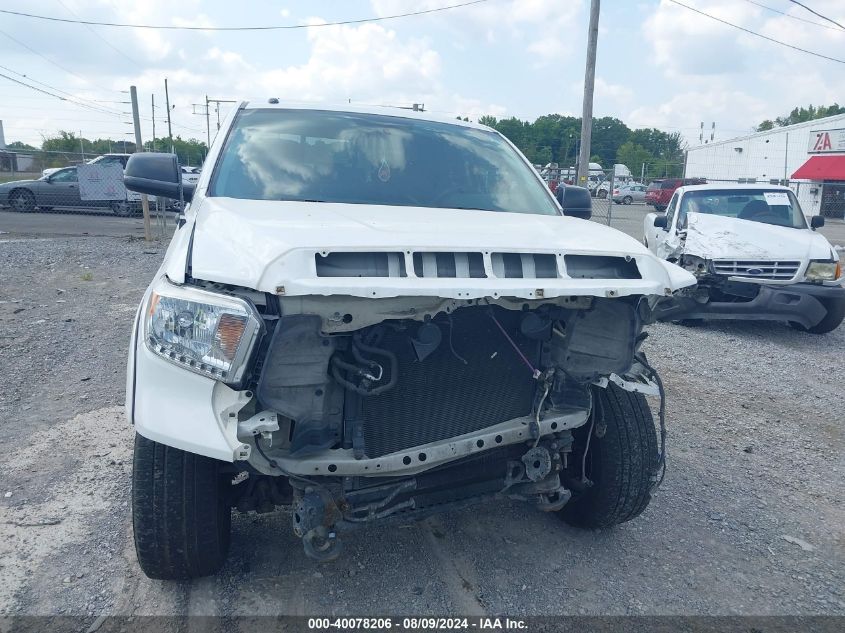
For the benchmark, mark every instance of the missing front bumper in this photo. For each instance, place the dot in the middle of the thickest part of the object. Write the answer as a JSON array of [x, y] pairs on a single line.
[[342, 462]]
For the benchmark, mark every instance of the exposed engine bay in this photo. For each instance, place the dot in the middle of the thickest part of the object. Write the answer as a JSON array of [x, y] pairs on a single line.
[[407, 416]]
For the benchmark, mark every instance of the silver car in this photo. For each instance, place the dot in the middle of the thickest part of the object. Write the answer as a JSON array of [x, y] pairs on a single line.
[[629, 193]]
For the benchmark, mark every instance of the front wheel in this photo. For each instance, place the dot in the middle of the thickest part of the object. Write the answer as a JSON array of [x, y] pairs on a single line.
[[181, 511], [22, 200], [627, 200], [602, 194], [121, 208], [621, 460], [832, 320]]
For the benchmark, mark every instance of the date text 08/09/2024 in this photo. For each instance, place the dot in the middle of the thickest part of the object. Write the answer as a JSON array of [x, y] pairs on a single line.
[[417, 624]]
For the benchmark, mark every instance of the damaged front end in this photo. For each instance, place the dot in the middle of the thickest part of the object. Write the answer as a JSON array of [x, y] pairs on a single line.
[[399, 408], [749, 290]]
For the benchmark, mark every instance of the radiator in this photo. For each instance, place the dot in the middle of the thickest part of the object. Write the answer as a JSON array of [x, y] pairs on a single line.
[[441, 397]]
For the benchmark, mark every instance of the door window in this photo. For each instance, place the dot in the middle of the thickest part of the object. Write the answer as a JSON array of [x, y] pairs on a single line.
[[670, 211], [68, 175]]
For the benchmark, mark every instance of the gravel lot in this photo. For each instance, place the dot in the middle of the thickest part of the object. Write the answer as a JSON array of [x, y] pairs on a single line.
[[749, 520]]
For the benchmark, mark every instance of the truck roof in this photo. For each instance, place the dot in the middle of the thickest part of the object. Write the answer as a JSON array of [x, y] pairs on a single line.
[[394, 111], [716, 186]]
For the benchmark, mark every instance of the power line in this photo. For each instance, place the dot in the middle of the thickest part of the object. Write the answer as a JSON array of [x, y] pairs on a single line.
[[105, 41], [72, 100], [242, 28], [750, 32], [823, 17], [89, 104], [56, 64], [82, 105], [80, 101], [789, 15]]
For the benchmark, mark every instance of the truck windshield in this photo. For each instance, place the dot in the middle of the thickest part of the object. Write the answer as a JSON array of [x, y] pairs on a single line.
[[319, 156], [778, 207]]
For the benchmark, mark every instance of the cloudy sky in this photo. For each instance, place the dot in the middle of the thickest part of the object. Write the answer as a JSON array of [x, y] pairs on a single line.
[[659, 65]]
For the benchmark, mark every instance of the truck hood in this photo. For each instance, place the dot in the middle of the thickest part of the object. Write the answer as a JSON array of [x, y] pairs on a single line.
[[718, 237], [272, 246]]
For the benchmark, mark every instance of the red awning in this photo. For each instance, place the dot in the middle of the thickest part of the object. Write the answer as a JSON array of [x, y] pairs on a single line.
[[822, 168]]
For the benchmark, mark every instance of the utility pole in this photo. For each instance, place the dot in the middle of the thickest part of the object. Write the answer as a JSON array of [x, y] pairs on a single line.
[[167, 103], [785, 161], [153, 144], [81, 146], [136, 119], [589, 87], [206, 112]]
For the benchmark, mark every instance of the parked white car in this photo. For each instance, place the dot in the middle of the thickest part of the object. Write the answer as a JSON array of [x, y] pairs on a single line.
[[369, 314], [754, 255]]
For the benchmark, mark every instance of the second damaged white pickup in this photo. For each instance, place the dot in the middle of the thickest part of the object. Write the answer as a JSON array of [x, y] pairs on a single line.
[[754, 255]]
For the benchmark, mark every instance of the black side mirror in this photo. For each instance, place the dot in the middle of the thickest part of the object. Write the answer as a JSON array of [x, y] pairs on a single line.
[[816, 222], [157, 174], [576, 201], [661, 222]]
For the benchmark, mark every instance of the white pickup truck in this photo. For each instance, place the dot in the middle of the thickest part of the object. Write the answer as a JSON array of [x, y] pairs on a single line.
[[373, 315], [754, 255]]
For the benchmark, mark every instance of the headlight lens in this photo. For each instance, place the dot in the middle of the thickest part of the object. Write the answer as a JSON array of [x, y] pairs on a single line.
[[205, 332], [824, 271]]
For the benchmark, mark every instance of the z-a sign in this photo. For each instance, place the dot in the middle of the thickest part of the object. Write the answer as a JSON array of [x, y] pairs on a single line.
[[824, 141]]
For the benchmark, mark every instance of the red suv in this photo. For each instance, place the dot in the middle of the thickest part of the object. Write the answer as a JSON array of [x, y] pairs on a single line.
[[659, 192]]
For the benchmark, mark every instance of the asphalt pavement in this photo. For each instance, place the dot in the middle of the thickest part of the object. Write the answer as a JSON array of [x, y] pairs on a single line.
[[102, 222], [76, 223]]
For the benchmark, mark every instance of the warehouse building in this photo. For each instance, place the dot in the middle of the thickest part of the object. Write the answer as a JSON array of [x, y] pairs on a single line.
[[809, 157]]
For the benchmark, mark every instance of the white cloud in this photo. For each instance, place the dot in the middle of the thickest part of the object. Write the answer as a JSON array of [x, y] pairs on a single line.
[[685, 43], [717, 73], [541, 27], [713, 103]]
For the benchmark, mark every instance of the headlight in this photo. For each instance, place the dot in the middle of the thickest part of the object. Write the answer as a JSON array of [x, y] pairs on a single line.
[[205, 332], [824, 271]]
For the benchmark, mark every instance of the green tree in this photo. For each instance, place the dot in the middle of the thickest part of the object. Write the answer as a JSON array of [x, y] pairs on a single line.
[[70, 143], [542, 156], [634, 156], [802, 115], [190, 151], [18, 145], [609, 134], [555, 138]]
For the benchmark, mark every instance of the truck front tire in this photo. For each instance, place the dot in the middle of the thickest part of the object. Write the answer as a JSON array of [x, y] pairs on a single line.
[[181, 511], [621, 462]]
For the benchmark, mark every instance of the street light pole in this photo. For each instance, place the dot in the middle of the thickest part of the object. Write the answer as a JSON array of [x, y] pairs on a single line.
[[589, 87]]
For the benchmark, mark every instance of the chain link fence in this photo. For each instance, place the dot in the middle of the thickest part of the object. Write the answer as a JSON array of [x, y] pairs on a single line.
[[42, 182], [777, 156], [608, 189]]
